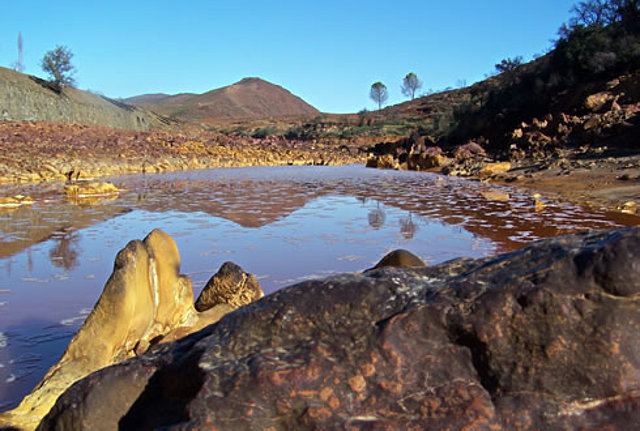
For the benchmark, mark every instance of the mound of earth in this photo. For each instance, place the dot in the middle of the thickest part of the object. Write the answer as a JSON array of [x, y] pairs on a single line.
[[248, 98]]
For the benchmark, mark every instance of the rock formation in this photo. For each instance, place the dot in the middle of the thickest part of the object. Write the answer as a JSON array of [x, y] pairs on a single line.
[[541, 338], [145, 301]]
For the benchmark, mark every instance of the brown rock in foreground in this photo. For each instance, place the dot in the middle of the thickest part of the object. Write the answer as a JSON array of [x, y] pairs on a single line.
[[541, 338], [145, 301]]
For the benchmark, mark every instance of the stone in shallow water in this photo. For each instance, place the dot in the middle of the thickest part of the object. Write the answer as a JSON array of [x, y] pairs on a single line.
[[401, 259], [230, 285], [83, 189]]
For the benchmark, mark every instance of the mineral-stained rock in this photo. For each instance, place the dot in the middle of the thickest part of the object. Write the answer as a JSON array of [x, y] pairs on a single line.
[[541, 338], [146, 300], [230, 285]]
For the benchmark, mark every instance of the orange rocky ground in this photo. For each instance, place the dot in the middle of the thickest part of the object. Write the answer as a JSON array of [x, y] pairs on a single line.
[[33, 152]]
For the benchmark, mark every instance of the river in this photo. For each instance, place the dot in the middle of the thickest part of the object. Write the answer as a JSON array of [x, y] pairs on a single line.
[[283, 224]]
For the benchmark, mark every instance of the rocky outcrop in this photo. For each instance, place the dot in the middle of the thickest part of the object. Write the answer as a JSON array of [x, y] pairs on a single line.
[[146, 301], [541, 338]]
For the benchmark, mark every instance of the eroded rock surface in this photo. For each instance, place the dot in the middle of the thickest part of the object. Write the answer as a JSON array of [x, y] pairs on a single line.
[[145, 301], [541, 338]]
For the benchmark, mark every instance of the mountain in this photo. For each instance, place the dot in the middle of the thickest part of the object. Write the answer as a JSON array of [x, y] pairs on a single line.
[[28, 98], [250, 98]]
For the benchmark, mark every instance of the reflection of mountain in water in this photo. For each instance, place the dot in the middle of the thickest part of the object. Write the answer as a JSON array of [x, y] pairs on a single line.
[[260, 196], [255, 197]]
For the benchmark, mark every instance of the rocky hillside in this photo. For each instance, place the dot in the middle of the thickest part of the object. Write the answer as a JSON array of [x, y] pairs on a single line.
[[248, 98], [28, 98]]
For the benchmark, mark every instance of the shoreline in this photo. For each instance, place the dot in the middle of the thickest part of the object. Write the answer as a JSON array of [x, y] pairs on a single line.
[[48, 154], [32, 153], [611, 182]]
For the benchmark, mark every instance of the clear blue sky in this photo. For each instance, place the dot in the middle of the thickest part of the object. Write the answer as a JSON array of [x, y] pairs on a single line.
[[327, 52]]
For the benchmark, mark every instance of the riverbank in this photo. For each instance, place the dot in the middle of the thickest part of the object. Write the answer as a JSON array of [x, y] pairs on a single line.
[[38, 152], [606, 179], [592, 176], [46, 152]]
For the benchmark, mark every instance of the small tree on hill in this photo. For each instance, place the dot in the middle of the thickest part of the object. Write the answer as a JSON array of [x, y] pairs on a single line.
[[410, 84], [57, 64], [509, 65], [379, 93]]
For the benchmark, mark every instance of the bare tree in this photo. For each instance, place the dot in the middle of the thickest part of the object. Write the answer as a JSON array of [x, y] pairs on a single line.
[[57, 64], [410, 84], [379, 93], [18, 66]]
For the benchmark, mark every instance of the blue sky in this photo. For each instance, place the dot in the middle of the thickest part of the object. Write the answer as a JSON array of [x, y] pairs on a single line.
[[327, 52]]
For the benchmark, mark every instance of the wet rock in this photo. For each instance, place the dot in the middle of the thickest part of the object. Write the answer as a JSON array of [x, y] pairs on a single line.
[[145, 301], [496, 195], [492, 169], [400, 259], [540, 338], [629, 207], [385, 161], [15, 201], [95, 188], [230, 285]]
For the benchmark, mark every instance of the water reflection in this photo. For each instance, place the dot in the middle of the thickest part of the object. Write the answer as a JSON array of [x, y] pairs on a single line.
[[407, 227], [376, 217], [283, 224], [64, 253]]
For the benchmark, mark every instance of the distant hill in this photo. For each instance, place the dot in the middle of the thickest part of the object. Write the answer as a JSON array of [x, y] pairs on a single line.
[[250, 98], [28, 98]]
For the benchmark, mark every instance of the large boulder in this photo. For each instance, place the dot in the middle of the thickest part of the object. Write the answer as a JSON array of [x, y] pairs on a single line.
[[541, 338]]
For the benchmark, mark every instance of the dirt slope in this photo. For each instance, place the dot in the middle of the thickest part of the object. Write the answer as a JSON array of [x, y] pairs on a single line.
[[28, 98]]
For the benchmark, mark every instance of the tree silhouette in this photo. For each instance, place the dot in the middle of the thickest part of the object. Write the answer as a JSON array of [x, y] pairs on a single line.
[[379, 93], [410, 84]]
